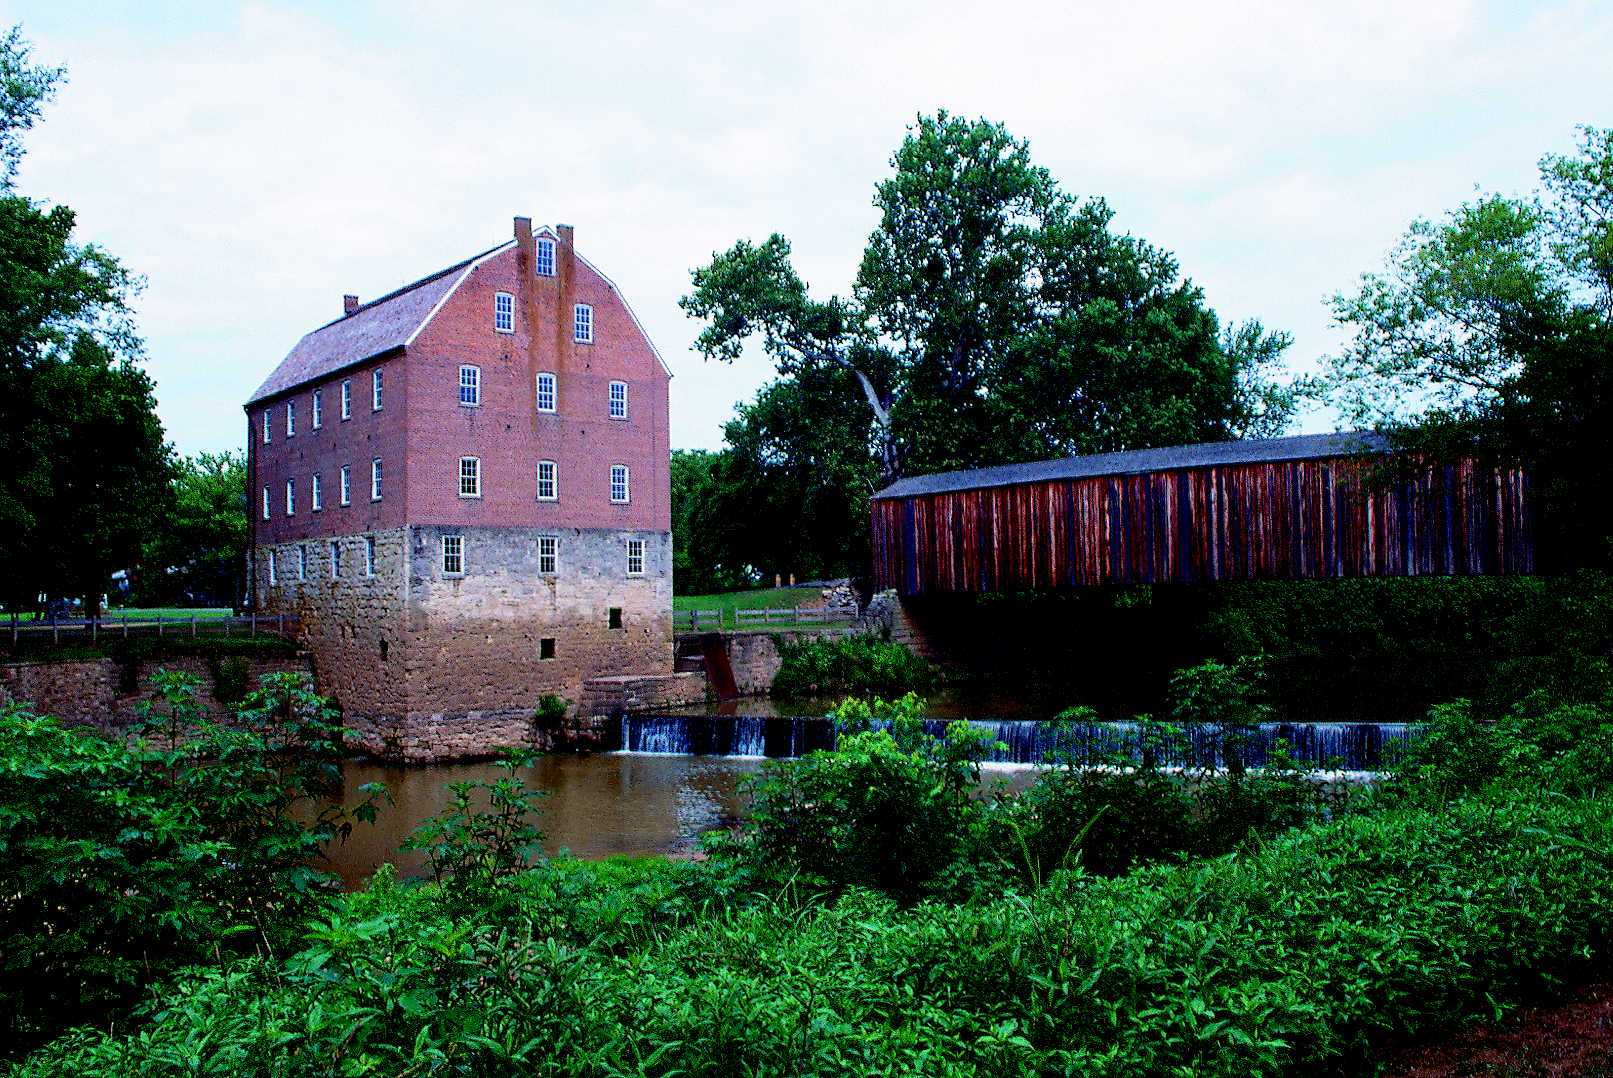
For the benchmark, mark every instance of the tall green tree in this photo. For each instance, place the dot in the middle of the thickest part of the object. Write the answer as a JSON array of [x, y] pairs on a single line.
[[994, 318], [197, 553], [1490, 332], [85, 462]]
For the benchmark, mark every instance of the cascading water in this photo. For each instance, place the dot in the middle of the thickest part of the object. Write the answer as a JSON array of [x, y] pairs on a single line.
[[1351, 746]]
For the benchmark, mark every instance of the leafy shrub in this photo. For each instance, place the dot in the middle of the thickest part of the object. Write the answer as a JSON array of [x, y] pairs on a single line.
[[486, 830], [231, 677], [121, 863], [1292, 958], [888, 807], [1543, 741], [861, 665]]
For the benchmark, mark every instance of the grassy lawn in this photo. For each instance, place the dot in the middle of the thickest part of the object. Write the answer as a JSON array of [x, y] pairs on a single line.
[[756, 599], [118, 613]]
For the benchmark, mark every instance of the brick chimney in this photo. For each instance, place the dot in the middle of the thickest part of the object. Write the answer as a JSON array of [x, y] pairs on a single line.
[[349, 304], [523, 239]]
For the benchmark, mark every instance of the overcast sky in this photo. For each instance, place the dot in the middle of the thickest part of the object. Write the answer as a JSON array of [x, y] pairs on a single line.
[[256, 161]]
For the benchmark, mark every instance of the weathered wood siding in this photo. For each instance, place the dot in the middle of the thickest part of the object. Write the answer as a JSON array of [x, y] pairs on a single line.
[[1287, 520]]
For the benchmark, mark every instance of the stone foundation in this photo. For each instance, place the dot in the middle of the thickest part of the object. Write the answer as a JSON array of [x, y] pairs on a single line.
[[429, 664]]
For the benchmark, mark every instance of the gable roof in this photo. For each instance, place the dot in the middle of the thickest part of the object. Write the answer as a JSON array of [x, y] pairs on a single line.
[[1252, 451], [378, 326]]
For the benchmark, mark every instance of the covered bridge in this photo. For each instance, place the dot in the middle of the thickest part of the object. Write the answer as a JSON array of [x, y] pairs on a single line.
[[1305, 507]]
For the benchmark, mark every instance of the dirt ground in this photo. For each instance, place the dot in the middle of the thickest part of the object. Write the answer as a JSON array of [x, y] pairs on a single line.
[[1572, 1039]]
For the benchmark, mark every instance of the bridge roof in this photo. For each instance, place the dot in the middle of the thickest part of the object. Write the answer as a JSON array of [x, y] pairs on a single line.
[[1204, 454]]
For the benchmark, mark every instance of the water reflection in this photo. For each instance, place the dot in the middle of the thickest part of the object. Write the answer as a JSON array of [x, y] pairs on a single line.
[[598, 806]]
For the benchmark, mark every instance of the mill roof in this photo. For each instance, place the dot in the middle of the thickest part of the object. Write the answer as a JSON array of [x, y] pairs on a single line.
[[373, 328], [1133, 462]]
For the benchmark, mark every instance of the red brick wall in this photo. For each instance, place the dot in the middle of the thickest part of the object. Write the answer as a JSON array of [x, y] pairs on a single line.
[[355, 442], [422, 430], [506, 431]]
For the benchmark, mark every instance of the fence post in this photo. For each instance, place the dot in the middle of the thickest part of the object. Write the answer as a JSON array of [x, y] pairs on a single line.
[[159, 623], [125, 625], [193, 626], [254, 616], [282, 625]]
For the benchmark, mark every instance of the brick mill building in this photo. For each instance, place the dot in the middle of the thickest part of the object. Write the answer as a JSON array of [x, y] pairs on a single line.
[[461, 488]]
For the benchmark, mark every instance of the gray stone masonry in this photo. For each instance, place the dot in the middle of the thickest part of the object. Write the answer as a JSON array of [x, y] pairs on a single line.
[[431, 664]]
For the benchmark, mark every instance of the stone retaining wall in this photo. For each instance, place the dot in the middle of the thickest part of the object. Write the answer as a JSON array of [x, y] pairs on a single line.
[[87, 692]]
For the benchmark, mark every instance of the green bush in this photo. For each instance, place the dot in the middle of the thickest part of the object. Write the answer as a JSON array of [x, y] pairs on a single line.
[[1292, 958], [889, 807], [861, 665], [1543, 741], [485, 831], [120, 863]]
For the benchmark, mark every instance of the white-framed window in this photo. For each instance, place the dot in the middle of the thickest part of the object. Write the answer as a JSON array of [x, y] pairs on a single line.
[[582, 321], [302, 561], [548, 483], [369, 555], [265, 503], [266, 421], [635, 557], [291, 497], [335, 560], [376, 384], [316, 494], [618, 483], [470, 477], [453, 555], [274, 576], [375, 480], [618, 400], [470, 386], [347, 398], [317, 418], [503, 312], [545, 391], [548, 554], [291, 418], [543, 262], [347, 484]]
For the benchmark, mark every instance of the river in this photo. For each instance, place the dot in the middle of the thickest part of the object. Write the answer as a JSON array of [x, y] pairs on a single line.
[[597, 806]]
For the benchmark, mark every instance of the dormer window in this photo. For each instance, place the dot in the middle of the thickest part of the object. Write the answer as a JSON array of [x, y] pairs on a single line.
[[583, 323], [544, 260], [503, 312]]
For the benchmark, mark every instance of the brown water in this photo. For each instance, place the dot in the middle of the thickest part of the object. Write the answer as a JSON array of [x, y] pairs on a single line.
[[597, 806]]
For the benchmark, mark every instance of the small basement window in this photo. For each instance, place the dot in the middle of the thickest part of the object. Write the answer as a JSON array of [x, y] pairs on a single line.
[[546, 648]]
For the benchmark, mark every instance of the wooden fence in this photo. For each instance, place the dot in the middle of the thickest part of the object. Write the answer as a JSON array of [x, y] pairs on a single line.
[[125, 626], [713, 620]]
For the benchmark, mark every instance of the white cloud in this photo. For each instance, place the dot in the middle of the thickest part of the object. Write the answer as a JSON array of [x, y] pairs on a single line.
[[257, 161]]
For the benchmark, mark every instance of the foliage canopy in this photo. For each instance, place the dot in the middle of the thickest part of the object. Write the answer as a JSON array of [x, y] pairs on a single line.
[[1490, 332]]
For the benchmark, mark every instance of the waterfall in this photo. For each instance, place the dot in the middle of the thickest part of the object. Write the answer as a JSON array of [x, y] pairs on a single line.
[[1353, 746]]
